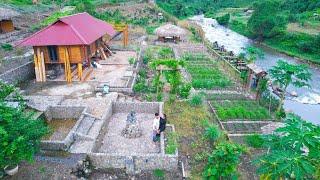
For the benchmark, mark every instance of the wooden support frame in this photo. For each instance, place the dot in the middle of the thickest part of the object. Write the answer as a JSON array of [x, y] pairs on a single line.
[[39, 64]]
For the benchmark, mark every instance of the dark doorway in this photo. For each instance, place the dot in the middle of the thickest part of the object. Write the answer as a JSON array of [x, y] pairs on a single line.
[[53, 53]]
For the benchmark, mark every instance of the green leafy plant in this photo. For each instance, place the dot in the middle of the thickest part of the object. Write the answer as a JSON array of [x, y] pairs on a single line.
[[294, 151], [262, 24], [254, 140], [285, 74], [212, 132], [223, 20], [223, 161], [172, 143], [184, 90], [5, 90], [159, 173], [7, 47], [165, 52], [196, 100], [20, 135], [131, 60]]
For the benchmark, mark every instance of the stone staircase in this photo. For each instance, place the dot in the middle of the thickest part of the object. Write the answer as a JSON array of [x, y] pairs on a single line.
[[86, 134]]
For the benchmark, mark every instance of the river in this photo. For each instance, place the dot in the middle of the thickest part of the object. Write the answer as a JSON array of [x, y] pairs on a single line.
[[306, 105]]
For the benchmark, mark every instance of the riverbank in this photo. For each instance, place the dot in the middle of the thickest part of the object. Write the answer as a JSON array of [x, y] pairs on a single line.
[[288, 43]]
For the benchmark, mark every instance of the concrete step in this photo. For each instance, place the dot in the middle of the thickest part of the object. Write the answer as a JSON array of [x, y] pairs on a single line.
[[95, 128], [81, 146], [85, 125]]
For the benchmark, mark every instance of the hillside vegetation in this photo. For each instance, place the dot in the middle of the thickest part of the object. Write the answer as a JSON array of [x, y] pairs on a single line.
[[293, 27]]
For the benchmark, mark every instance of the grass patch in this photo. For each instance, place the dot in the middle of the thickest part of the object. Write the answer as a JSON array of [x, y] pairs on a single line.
[[243, 110], [159, 173], [255, 141], [172, 143], [190, 124]]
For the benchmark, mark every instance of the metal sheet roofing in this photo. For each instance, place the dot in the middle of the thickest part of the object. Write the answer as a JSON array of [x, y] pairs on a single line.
[[76, 29]]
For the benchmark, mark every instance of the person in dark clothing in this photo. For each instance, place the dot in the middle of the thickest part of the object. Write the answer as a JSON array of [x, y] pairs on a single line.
[[162, 125]]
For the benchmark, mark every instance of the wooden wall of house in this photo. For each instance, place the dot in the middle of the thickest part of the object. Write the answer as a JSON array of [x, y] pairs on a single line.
[[76, 54], [6, 26]]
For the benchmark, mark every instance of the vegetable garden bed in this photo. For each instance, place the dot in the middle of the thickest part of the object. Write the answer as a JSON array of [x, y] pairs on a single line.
[[240, 110], [205, 72], [244, 127]]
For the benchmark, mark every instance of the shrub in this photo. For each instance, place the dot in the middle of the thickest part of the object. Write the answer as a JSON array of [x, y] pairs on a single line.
[[196, 100], [159, 173], [255, 141], [143, 73], [7, 47], [5, 90], [150, 29], [131, 60], [223, 20], [20, 135], [223, 161], [140, 87], [212, 132], [165, 52], [184, 90]]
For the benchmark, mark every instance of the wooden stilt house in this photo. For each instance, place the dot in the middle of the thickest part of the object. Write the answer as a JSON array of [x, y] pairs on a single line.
[[6, 20], [68, 46]]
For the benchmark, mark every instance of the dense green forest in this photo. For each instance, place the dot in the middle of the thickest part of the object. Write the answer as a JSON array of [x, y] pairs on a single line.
[[293, 26]]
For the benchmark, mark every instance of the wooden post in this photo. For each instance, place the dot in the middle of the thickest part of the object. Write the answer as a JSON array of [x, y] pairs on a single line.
[[36, 64], [39, 65], [80, 71], [67, 66], [43, 68]]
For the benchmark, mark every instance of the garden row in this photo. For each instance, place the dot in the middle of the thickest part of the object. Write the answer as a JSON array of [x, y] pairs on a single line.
[[160, 75], [205, 72]]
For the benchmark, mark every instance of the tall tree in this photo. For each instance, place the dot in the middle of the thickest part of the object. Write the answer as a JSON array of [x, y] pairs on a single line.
[[285, 74], [266, 20]]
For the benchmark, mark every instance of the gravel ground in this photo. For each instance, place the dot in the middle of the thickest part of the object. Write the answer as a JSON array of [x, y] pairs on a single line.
[[115, 143]]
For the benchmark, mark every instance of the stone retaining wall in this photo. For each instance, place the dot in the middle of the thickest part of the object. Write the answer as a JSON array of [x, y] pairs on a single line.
[[18, 74], [141, 107], [135, 162], [63, 112]]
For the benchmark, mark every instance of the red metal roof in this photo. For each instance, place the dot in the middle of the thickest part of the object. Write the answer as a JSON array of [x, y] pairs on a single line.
[[70, 30]]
